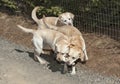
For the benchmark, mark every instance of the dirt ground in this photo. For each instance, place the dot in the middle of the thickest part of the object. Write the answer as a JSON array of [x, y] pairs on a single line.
[[103, 52]]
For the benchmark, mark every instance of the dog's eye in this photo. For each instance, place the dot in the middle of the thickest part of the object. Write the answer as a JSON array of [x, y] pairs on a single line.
[[65, 20], [69, 18], [73, 57], [62, 53]]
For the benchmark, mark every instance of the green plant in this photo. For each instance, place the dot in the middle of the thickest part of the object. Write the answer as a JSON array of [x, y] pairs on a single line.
[[50, 11], [10, 4]]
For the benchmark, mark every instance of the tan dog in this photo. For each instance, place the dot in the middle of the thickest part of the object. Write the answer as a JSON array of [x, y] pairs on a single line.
[[63, 19], [78, 48], [56, 40]]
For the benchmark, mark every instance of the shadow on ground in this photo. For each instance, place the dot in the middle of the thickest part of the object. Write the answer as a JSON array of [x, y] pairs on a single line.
[[53, 65]]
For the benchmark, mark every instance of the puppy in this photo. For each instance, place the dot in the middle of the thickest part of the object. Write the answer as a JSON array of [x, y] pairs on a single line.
[[78, 48], [56, 40], [63, 19]]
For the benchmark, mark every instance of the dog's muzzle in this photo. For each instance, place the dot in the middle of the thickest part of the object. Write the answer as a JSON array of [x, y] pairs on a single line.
[[70, 24]]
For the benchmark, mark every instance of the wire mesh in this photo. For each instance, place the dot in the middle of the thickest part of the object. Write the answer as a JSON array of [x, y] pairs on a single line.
[[98, 16]]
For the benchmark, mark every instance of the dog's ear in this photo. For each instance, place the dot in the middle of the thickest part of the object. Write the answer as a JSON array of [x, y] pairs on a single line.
[[62, 46], [57, 46], [72, 15], [60, 16], [71, 45]]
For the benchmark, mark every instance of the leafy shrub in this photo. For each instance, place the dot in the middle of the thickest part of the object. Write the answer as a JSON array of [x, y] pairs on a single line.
[[47, 7], [50, 11]]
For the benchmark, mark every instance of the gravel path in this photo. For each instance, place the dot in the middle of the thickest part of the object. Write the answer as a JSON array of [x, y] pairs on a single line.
[[18, 67]]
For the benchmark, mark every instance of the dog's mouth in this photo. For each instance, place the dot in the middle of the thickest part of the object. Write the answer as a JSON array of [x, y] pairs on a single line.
[[73, 64], [70, 64], [60, 62], [78, 60]]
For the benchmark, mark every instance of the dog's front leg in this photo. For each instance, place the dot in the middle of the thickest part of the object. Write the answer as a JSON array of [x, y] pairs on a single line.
[[65, 68], [73, 72]]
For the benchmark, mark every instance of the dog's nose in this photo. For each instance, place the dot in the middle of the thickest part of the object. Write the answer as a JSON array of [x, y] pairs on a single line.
[[68, 63], [69, 24], [62, 62], [58, 59]]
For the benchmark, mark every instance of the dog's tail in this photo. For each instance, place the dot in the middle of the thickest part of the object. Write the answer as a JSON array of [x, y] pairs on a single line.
[[49, 25], [26, 29], [33, 15]]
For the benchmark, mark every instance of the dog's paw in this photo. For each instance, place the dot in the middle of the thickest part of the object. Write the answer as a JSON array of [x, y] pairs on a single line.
[[73, 73], [86, 58], [43, 62]]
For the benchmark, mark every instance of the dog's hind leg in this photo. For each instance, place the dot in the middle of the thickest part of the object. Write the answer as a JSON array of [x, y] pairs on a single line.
[[85, 52], [37, 56], [84, 48], [38, 44]]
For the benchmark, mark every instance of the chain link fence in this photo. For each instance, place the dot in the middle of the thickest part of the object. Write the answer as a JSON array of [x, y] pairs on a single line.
[[98, 16]]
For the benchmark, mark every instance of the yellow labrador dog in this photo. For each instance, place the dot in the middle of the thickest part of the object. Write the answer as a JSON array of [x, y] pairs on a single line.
[[63, 19], [77, 49], [56, 40]]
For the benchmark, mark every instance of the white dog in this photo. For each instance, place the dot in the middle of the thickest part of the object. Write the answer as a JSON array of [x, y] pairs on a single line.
[[63, 19], [56, 40]]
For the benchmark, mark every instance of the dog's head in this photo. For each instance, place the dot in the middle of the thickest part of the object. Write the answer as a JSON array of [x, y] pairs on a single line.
[[74, 54], [62, 49], [66, 18]]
